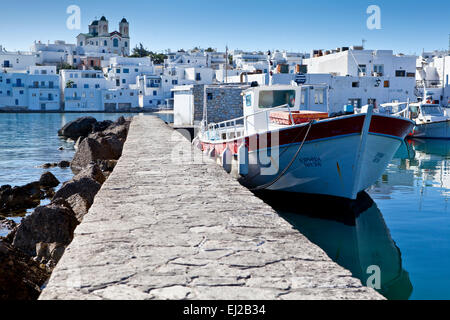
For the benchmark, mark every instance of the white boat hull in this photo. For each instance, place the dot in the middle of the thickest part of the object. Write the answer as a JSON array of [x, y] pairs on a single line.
[[433, 130], [325, 167]]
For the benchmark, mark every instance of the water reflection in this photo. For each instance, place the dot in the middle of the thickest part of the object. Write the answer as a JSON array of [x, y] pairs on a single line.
[[352, 233]]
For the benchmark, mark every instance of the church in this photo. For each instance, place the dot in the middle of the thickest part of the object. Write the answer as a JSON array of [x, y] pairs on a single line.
[[100, 40]]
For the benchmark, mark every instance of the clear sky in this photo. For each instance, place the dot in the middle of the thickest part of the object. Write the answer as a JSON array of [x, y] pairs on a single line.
[[407, 26]]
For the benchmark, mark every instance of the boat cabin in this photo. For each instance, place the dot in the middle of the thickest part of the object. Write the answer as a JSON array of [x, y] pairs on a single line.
[[266, 107], [426, 113]]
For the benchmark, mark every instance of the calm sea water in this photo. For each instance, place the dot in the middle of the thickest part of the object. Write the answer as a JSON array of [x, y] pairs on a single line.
[[401, 225], [28, 141]]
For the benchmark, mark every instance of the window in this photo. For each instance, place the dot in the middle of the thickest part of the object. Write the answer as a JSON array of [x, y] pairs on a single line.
[[362, 68], [21, 91], [386, 84], [124, 81], [86, 86], [117, 70], [198, 77], [430, 110], [379, 69], [126, 44], [131, 94], [355, 84], [356, 103], [105, 43], [136, 70], [400, 73], [276, 98], [116, 43], [155, 93], [42, 83], [8, 81], [81, 43], [126, 70], [174, 82], [210, 96], [97, 86], [51, 84], [318, 96], [248, 100]]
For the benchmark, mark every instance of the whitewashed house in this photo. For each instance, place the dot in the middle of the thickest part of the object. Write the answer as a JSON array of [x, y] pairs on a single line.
[[54, 53], [356, 61], [433, 73], [35, 90], [16, 61], [89, 90]]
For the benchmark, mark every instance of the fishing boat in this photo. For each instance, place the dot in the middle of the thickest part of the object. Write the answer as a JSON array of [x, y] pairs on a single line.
[[286, 142], [431, 121]]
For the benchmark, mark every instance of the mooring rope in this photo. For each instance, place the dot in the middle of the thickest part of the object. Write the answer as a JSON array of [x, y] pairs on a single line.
[[268, 185]]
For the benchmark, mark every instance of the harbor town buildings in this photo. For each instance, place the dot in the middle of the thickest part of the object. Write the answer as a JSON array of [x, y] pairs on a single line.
[[97, 74]]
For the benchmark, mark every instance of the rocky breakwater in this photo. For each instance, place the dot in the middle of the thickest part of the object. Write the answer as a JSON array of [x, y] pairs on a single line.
[[34, 247]]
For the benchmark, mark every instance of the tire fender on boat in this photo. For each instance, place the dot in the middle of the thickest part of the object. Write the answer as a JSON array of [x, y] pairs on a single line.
[[243, 160], [212, 152], [226, 160]]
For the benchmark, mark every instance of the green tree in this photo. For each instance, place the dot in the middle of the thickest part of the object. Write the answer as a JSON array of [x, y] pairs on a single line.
[[210, 50], [140, 51], [70, 84]]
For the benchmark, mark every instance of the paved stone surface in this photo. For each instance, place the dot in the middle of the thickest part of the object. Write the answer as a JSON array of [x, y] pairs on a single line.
[[169, 224]]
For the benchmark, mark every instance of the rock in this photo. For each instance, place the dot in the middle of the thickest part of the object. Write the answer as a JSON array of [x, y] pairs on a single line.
[[81, 127], [20, 277], [121, 120], [101, 126], [120, 132], [107, 166], [53, 223], [91, 150], [64, 164], [7, 224], [49, 165], [20, 198], [48, 181], [93, 172], [79, 194], [49, 253]]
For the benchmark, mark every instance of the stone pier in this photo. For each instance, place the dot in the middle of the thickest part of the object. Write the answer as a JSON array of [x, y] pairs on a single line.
[[171, 224]]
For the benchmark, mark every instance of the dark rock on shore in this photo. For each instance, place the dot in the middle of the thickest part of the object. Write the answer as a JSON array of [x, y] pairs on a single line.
[[64, 164], [7, 224], [20, 198], [20, 277], [48, 180], [79, 194], [54, 223], [101, 126], [81, 127], [93, 172]]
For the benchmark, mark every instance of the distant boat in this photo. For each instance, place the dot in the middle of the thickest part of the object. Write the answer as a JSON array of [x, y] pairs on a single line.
[[282, 144], [431, 121]]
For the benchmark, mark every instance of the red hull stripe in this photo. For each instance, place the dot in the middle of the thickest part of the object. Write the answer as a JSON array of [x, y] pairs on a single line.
[[321, 130]]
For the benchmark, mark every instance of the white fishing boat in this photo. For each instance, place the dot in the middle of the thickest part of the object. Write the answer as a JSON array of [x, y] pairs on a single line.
[[281, 143], [431, 121]]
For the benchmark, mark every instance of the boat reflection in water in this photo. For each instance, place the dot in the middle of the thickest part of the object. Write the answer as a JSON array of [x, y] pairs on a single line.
[[352, 233]]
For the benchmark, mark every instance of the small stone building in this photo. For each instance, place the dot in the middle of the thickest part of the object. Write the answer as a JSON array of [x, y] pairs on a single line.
[[224, 102]]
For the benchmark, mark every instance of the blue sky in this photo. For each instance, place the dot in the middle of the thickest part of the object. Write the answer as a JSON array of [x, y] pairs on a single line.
[[408, 26]]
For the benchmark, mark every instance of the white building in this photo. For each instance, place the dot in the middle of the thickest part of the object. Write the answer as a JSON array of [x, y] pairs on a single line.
[[124, 71], [89, 90], [35, 90], [16, 61], [433, 73], [54, 53], [100, 40], [358, 62]]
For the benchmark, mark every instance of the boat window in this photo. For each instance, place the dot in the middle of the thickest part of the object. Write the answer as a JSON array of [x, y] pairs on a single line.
[[276, 98], [248, 100], [432, 110]]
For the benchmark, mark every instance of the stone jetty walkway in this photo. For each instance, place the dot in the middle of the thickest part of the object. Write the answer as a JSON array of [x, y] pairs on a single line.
[[167, 226]]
